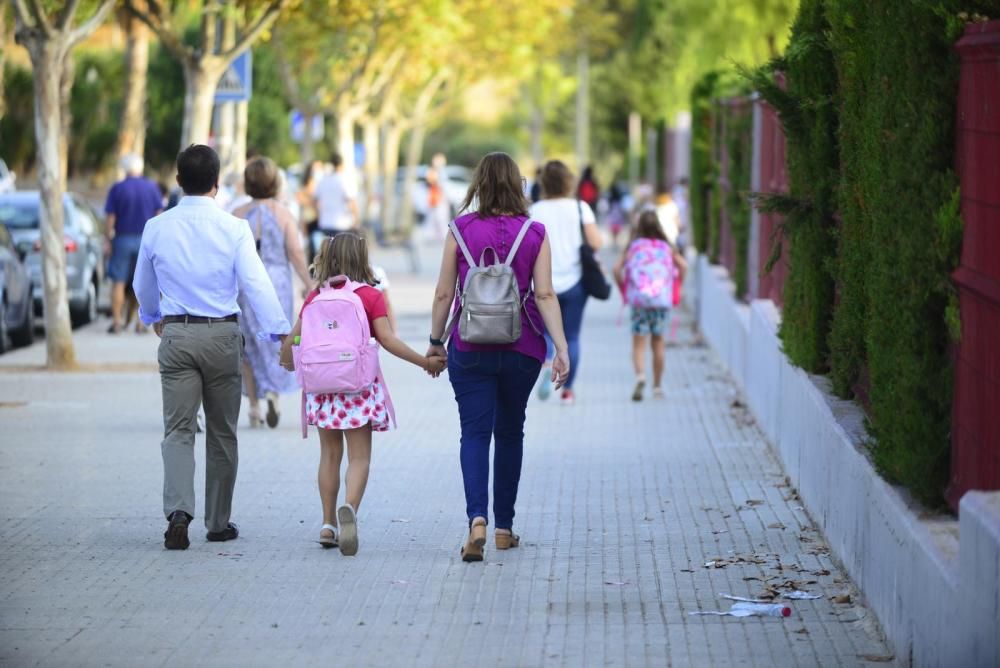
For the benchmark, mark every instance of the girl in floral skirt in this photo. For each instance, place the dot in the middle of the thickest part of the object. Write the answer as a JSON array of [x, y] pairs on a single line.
[[351, 417]]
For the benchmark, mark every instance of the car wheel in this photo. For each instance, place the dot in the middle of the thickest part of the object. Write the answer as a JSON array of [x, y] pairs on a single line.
[[4, 344], [25, 334], [88, 312]]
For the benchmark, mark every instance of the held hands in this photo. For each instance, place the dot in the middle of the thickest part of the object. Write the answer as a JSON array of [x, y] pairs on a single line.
[[437, 361], [158, 328], [560, 369], [435, 365]]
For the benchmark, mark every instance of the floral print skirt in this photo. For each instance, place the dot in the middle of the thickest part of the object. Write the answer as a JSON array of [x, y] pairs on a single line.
[[349, 411]]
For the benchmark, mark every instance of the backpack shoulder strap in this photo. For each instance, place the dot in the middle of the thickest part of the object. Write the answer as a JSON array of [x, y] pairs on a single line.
[[461, 244], [517, 242]]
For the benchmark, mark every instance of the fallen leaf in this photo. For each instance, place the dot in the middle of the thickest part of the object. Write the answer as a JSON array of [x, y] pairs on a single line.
[[841, 598], [803, 630], [754, 502], [615, 583], [400, 520], [686, 570], [822, 572], [877, 658], [776, 525], [721, 531]]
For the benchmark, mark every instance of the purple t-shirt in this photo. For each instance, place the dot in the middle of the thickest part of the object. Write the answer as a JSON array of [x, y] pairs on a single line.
[[133, 201], [500, 233]]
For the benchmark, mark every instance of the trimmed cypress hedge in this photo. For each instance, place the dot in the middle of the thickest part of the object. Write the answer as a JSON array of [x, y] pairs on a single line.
[[703, 174], [901, 233], [708, 201], [808, 112], [869, 117]]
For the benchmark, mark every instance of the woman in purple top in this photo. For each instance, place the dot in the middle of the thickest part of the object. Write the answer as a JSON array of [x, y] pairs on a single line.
[[492, 383]]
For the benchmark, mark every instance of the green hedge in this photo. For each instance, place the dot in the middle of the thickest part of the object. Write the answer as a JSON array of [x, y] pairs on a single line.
[[808, 111], [901, 233], [707, 199], [869, 115], [703, 174]]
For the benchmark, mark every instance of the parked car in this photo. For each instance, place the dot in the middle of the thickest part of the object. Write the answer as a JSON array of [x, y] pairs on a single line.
[[84, 239], [7, 178], [17, 313]]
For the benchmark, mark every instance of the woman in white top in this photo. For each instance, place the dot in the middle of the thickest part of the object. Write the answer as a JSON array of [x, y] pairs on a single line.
[[563, 216]]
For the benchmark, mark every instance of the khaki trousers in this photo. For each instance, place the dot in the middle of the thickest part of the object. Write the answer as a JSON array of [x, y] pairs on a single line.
[[200, 364]]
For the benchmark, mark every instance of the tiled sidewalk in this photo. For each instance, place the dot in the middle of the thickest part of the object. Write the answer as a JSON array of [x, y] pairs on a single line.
[[621, 507]]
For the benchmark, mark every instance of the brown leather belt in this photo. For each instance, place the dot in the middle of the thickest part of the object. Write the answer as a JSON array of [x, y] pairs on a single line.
[[198, 319]]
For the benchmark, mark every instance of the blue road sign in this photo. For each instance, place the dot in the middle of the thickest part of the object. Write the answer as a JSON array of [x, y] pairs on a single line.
[[298, 126], [236, 83]]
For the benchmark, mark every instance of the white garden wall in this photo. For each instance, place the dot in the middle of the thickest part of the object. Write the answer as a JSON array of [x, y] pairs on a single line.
[[933, 582]]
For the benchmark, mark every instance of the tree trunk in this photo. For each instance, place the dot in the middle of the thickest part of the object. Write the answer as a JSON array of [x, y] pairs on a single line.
[[414, 149], [65, 116], [390, 167], [48, 60], [583, 110], [224, 114], [200, 81], [4, 39], [132, 132], [308, 144], [345, 141], [240, 136], [370, 138]]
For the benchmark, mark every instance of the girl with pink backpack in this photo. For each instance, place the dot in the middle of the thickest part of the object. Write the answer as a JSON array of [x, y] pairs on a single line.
[[339, 330], [647, 273]]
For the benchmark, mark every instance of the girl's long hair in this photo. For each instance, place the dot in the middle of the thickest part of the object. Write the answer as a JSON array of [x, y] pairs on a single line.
[[497, 187], [347, 254], [648, 227]]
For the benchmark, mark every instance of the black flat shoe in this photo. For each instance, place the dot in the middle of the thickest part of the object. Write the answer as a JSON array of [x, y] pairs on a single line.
[[229, 533], [176, 535]]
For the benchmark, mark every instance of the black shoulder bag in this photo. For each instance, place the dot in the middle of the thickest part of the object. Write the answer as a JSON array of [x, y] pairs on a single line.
[[594, 282]]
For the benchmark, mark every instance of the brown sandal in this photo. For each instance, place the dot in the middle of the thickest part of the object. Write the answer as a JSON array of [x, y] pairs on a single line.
[[473, 549], [506, 539]]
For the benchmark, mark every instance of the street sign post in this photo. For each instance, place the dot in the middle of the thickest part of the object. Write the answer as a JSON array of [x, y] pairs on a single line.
[[236, 83]]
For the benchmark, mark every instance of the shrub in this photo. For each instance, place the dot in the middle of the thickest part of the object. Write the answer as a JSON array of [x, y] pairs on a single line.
[[808, 113], [901, 232]]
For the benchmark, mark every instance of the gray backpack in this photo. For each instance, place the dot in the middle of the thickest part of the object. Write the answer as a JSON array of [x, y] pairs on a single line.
[[490, 303]]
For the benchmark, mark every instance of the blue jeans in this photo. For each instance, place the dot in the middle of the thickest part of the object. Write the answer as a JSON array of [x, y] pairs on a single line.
[[571, 304], [492, 390]]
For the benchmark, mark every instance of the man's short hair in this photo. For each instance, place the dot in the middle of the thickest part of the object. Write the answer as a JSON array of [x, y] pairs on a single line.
[[336, 160], [198, 169]]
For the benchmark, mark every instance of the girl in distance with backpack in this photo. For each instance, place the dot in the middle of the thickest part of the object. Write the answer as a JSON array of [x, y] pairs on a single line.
[[646, 273], [344, 393]]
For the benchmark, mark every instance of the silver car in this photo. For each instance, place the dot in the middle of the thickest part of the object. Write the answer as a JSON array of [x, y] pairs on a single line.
[[84, 240]]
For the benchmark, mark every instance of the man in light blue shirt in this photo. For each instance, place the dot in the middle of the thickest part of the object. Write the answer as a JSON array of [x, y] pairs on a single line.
[[193, 261]]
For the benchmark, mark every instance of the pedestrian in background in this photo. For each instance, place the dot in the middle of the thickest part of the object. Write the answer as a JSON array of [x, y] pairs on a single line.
[[276, 237], [348, 416], [306, 198], [336, 202], [646, 273], [588, 190], [569, 223], [193, 261], [131, 202], [492, 383]]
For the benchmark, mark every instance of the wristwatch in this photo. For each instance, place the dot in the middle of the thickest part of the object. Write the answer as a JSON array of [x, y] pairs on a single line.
[[436, 342]]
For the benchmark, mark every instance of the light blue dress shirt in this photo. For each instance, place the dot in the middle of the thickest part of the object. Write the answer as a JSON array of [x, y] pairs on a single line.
[[194, 260]]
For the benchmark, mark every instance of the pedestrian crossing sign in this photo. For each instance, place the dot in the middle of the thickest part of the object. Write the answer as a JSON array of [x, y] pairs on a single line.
[[236, 83]]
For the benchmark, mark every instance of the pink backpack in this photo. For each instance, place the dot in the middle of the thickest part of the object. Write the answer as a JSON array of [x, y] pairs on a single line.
[[336, 353], [649, 274]]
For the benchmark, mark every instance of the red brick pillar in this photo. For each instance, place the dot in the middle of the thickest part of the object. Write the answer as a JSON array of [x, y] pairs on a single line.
[[975, 433]]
